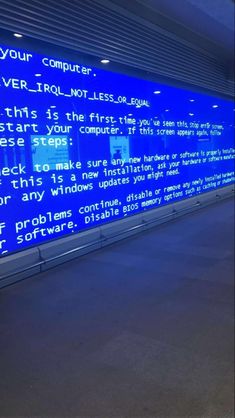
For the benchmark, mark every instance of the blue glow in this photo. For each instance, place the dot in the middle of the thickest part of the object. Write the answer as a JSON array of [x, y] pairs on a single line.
[[83, 146]]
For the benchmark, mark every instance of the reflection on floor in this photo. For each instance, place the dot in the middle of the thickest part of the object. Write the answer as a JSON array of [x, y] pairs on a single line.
[[143, 328]]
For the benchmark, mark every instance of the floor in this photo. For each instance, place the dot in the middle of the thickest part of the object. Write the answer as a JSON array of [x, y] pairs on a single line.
[[143, 328]]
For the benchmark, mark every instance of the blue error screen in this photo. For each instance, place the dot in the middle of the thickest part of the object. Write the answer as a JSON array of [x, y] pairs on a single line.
[[82, 146]]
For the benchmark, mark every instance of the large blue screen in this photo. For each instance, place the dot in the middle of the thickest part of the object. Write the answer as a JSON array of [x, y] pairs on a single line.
[[83, 146]]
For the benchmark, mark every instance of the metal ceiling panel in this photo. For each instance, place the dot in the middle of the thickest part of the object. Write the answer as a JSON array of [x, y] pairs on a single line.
[[94, 28]]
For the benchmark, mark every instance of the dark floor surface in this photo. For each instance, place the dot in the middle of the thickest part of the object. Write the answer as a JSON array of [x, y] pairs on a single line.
[[143, 328]]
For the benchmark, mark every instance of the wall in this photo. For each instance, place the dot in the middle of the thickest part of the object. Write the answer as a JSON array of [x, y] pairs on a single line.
[[94, 28]]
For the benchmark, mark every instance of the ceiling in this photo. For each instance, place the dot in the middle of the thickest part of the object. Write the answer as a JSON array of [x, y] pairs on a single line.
[[212, 19], [208, 24]]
